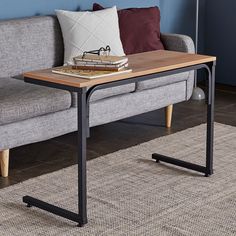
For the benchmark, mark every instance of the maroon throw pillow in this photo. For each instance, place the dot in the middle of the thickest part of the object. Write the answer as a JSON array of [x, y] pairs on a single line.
[[139, 29]]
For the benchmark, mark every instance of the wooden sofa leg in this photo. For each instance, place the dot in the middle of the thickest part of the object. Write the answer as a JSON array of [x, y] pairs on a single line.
[[169, 111], [4, 162]]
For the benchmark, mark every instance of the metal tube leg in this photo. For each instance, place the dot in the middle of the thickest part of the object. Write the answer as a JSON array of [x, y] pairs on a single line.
[[82, 136], [210, 121], [80, 217], [208, 169]]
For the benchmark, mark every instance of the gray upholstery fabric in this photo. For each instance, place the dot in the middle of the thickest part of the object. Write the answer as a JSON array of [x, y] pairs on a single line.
[[127, 105], [20, 101], [178, 42], [190, 84], [108, 92], [162, 81], [29, 44], [103, 111], [38, 128], [100, 94]]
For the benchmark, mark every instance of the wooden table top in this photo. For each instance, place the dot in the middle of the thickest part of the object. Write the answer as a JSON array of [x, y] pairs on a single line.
[[141, 64]]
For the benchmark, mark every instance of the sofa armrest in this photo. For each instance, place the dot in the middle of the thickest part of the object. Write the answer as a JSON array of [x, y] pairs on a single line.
[[177, 42], [181, 43]]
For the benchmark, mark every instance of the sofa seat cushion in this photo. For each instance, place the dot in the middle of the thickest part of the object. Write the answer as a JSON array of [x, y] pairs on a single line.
[[20, 101], [106, 93], [113, 91], [162, 81]]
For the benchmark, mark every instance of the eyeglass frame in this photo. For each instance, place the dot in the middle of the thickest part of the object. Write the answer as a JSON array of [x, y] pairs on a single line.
[[107, 50]]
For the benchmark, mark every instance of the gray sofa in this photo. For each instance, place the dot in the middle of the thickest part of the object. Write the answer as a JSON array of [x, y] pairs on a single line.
[[30, 113]]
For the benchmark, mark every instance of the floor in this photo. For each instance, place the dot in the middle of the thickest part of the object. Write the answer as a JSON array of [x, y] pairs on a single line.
[[36, 159]]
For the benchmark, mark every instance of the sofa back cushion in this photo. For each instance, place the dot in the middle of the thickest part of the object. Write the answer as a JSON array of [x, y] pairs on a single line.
[[139, 29], [30, 44], [86, 31]]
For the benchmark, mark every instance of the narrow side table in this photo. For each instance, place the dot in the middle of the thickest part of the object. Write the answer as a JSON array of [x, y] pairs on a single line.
[[145, 66]]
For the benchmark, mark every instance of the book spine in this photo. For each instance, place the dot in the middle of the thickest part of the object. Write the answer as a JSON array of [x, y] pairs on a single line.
[[98, 68], [99, 64], [94, 61]]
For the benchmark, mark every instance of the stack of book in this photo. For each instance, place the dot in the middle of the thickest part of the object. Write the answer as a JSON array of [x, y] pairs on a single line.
[[102, 63], [95, 66]]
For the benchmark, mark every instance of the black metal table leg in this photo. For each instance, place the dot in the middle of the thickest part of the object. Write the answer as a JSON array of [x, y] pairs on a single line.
[[82, 138], [208, 169], [210, 120], [51, 208], [81, 216]]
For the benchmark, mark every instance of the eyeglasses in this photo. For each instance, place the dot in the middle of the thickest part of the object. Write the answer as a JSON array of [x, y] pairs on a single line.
[[100, 52]]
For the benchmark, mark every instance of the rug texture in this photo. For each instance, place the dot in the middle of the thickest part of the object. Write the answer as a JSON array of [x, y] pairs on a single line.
[[130, 194]]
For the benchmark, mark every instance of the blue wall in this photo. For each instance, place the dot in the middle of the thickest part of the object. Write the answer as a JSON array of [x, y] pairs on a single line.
[[178, 16], [221, 38], [217, 30], [119, 3], [21, 8]]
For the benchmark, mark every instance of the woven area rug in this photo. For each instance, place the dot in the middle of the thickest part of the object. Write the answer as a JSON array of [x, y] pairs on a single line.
[[130, 194]]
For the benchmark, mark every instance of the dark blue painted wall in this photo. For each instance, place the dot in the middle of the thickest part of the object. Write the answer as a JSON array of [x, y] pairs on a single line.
[[120, 3], [178, 16], [217, 30], [221, 38], [23, 8]]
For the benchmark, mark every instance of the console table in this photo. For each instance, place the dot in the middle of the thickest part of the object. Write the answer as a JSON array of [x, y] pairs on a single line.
[[145, 66]]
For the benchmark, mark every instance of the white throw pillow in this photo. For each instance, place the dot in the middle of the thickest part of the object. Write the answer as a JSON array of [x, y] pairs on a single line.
[[86, 31]]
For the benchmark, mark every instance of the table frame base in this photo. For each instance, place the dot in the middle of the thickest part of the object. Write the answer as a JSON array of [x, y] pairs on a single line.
[[83, 134]]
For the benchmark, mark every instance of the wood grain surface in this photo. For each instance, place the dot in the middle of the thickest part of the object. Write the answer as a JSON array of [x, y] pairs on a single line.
[[141, 64]]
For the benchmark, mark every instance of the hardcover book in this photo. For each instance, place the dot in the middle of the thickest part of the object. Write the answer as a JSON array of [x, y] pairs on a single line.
[[113, 60], [87, 74], [103, 67]]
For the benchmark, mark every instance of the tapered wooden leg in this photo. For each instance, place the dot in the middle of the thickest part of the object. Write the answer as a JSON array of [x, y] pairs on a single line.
[[4, 162], [169, 111]]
